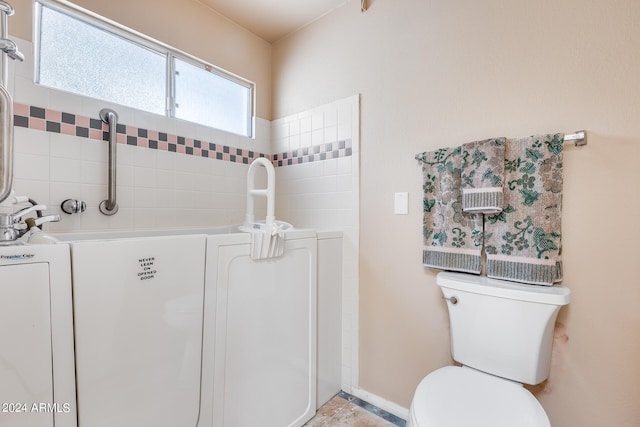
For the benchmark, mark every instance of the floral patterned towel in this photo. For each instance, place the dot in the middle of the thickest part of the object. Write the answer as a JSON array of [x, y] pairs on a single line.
[[522, 243], [452, 238], [482, 175]]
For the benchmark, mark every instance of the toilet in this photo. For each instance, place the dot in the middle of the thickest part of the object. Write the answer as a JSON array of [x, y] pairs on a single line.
[[501, 334]]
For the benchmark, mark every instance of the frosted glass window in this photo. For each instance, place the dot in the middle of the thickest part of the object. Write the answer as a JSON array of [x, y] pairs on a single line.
[[85, 54], [86, 60], [205, 97]]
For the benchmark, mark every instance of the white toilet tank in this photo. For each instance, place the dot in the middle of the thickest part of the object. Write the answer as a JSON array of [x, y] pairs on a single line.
[[502, 328]]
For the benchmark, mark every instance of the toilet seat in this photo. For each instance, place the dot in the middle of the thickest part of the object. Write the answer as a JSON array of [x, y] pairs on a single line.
[[460, 397]]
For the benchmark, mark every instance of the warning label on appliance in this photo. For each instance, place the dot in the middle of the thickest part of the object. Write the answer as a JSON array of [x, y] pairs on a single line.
[[147, 268]]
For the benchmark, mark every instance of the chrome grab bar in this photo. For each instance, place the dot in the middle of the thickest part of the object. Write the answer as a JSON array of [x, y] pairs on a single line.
[[110, 206]]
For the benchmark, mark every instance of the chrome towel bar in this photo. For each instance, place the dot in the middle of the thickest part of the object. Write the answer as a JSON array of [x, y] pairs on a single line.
[[579, 138]]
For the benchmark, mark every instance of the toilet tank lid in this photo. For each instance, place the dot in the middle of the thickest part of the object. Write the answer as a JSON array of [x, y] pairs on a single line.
[[555, 295]]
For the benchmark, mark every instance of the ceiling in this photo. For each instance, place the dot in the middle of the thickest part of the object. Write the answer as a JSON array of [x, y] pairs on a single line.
[[273, 19]]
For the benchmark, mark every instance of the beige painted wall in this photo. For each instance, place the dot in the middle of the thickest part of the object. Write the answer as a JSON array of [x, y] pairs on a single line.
[[440, 73], [187, 25]]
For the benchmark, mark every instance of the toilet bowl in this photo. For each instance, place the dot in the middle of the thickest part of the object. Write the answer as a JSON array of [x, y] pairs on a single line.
[[463, 397], [501, 334]]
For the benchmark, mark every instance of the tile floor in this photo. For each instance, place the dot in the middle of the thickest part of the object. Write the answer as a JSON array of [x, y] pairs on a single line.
[[345, 410]]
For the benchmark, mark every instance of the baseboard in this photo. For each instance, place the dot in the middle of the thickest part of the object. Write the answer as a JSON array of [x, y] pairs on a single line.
[[382, 403]]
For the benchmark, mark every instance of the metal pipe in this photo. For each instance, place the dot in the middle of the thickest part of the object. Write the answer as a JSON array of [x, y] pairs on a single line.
[[6, 143], [7, 49], [6, 8], [4, 35], [6, 112], [110, 206], [6, 45]]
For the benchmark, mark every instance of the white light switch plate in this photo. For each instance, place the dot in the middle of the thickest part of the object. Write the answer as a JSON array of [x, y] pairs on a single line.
[[401, 203]]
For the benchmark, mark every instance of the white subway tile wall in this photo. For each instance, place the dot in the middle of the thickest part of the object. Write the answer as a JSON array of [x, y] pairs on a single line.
[[59, 155], [156, 188], [325, 195]]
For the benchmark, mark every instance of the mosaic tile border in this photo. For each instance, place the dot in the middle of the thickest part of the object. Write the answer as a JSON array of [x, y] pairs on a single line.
[[44, 119], [330, 150], [32, 117]]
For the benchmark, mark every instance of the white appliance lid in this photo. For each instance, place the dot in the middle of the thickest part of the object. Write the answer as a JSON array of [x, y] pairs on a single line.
[[556, 295], [457, 397]]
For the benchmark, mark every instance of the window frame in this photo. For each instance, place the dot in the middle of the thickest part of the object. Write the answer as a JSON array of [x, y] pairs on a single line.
[[135, 37], [212, 70]]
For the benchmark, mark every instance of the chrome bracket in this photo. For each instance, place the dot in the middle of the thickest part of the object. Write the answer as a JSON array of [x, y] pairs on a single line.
[[452, 299]]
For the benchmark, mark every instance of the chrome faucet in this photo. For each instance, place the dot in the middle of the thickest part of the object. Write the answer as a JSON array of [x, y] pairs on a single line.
[[22, 212], [10, 48], [10, 229], [8, 233], [37, 222]]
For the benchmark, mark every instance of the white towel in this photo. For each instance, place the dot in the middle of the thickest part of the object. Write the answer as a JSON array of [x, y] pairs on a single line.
[[267, 240]]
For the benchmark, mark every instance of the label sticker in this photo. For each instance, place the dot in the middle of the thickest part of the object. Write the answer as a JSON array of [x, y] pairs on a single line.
[[147, 269]]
